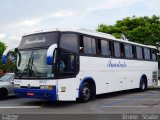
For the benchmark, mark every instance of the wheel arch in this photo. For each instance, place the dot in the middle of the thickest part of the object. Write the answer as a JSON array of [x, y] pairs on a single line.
[[90, 80], [143, 78]]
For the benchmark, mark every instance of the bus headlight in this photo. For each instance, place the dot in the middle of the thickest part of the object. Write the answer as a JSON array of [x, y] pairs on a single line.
[[17, 86], [49, 87]]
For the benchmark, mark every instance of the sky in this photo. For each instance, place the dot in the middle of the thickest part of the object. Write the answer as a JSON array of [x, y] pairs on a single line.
[[18, 17]]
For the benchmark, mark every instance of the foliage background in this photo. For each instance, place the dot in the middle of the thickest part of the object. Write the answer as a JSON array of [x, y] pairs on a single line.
[[9, 66], [145, 30]]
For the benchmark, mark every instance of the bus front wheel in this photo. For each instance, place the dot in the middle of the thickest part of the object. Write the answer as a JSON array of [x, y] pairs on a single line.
[[85, 93]]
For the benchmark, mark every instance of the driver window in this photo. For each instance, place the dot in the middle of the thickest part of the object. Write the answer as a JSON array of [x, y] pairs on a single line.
[[66, 64]]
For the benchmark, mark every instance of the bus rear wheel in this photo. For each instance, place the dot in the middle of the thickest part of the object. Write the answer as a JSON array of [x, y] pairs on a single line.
[[143, 86], [85, 93]]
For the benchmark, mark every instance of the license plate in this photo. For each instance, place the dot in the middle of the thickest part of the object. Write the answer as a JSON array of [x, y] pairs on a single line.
[[30, 94]]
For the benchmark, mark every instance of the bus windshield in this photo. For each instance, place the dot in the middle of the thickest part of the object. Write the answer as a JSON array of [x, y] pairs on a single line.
[[32, 64]]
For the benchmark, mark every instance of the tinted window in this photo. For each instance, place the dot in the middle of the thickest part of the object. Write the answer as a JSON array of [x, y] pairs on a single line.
[[105, 46], [128, 51], [146, 54], [87, 45], [117, 49], [66, 64], [93, 46], [69, 42], [139, 52], [154, 54]]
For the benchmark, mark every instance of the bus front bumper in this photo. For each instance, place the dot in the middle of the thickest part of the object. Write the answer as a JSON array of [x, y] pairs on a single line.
[[37, 93]]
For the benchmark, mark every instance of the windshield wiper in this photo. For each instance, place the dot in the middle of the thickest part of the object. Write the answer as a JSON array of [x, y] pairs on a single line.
[[35, 70], [26, 68]]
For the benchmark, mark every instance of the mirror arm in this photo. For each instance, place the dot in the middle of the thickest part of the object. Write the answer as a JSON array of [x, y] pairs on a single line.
[[50, 54]]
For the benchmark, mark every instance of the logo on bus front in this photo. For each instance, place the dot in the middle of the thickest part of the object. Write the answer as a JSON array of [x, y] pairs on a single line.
[[118, 64], [27, 42]]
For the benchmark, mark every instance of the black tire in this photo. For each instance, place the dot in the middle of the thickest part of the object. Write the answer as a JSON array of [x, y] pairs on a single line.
[[3, 93], [143, 86], [85, 93]]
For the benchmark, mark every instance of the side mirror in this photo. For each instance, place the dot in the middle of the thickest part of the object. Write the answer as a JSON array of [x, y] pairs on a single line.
[[8, 54], [12, 81], [50, 52]]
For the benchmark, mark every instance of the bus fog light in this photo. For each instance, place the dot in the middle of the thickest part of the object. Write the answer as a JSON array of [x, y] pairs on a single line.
[[42, 87], [17, 86], [46, 87]]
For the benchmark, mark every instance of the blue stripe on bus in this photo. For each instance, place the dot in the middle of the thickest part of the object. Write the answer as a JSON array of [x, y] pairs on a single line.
[[4, 59], [37, 93]]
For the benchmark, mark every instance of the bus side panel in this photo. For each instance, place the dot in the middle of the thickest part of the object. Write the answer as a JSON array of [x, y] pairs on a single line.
[[116, 74], [67, 89]]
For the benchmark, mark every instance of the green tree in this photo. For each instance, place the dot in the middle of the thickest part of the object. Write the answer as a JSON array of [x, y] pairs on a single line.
[[2, 48], [9, 66], [145, 30]]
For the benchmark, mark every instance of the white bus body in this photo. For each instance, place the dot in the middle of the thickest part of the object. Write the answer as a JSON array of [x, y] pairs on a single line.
[[108, 74]]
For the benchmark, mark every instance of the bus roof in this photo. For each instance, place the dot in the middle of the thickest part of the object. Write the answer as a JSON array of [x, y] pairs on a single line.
[[92, 33]]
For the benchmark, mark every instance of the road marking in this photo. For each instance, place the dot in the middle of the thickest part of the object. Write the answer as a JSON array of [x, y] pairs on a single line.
[[156, 92], [135, 99], [6, 107], [151, 93], [127, 106]]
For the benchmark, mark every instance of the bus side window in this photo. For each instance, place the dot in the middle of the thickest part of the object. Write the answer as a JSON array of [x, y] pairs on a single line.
[[153, 55], [146, 54], [69, 42], [139, 52], [93, 45], [106, 47], [129, 51], [88, 45], [116, 49]]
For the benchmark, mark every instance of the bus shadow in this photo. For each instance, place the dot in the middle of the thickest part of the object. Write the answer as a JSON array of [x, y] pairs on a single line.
[[9, 98], [51, 104], [117, 94], [60, 104]]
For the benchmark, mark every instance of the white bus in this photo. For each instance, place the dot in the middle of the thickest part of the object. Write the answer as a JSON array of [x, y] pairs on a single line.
[[69, 65]]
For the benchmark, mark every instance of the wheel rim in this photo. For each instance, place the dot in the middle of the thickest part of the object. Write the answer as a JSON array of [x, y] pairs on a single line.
[[143, 86], [86, 93]]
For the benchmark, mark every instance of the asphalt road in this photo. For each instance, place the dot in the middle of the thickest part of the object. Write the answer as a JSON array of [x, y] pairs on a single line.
[[113, 103]]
